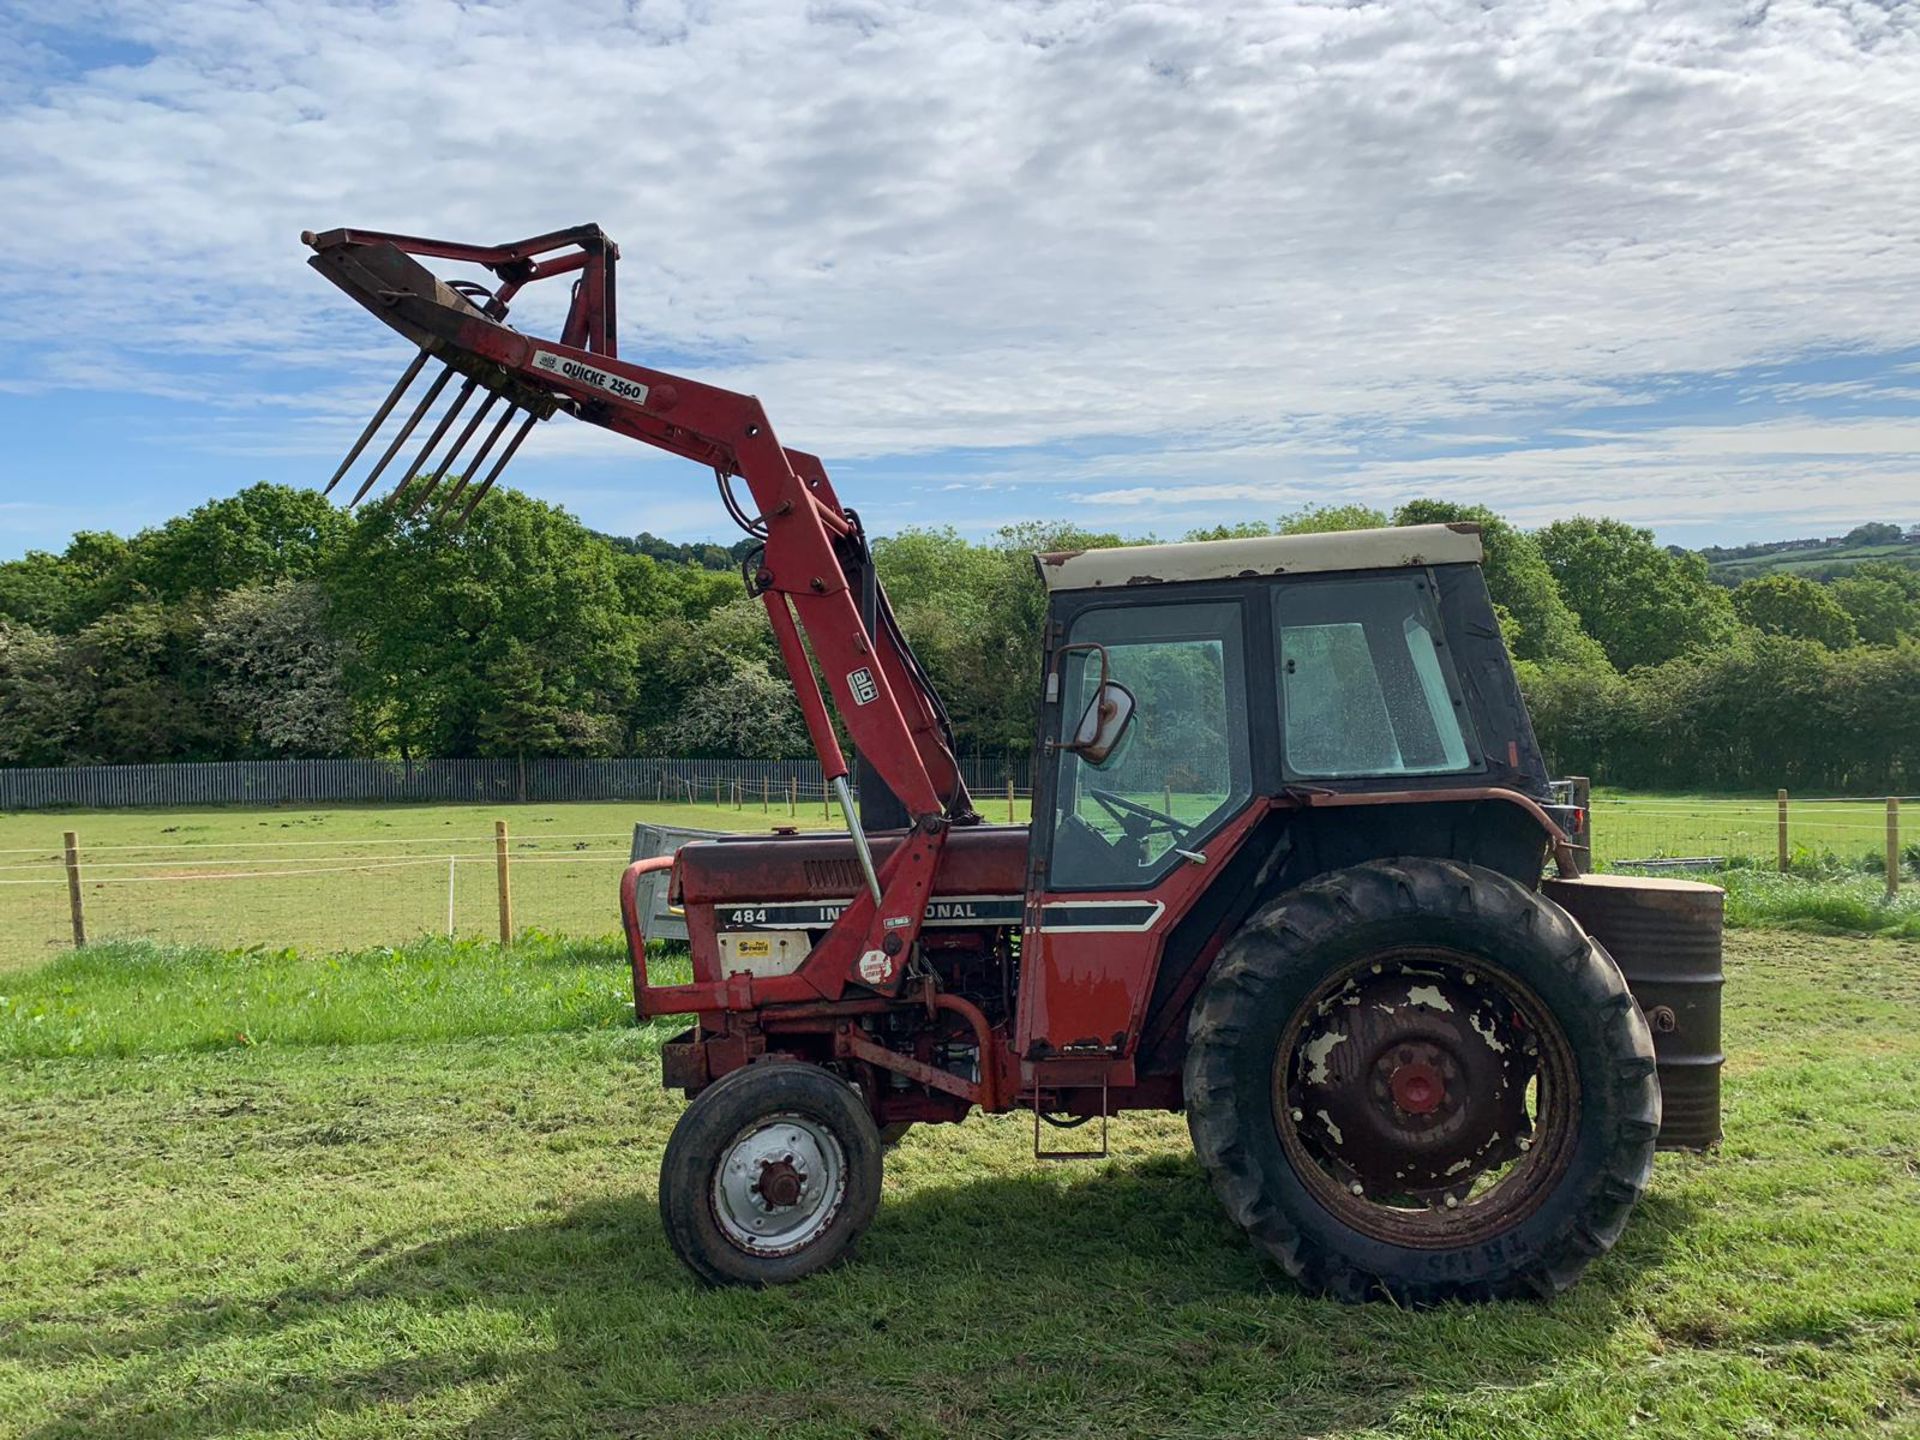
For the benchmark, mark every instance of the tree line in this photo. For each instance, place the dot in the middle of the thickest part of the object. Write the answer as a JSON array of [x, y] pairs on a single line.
[[273, 624]]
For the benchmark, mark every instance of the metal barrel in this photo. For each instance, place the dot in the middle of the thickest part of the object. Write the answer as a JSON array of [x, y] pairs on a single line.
[[1666, 937]]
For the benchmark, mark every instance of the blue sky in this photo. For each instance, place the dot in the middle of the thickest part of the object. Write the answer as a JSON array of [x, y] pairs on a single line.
[[1147, 267]]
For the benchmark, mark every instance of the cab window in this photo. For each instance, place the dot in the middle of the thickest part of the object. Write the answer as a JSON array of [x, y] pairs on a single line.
[[1366, 687], [1183, 768]]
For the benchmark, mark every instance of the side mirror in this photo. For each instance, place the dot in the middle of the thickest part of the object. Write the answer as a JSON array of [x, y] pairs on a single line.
[[1103, 724]]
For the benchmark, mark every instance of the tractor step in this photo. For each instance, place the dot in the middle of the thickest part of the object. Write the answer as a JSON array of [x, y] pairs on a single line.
[[1040, 1152]]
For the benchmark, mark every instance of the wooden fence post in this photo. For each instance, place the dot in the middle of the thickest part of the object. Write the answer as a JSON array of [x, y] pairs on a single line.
[[793, 795], [501, 877], [1893, 846], [1009, 799], [1781, 799], [766, 794], [73, 891]]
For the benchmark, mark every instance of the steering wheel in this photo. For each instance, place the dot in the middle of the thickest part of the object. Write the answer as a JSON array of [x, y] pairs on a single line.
[[1136, 821]]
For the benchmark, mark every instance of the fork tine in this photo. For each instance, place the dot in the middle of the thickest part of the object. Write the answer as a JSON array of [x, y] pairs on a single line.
[[459, 444], [433, 440], [460, 480], [379, 418], [480, 491], [426, 403]]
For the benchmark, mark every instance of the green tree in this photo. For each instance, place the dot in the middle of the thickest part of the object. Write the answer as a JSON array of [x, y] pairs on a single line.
[[265, 533], [40, 697], [1322, 519], [1642, 603], [1782, 604], [1874, 532], [65, 592], [740, 709], [148, 690], [279, 669], [1536, 619], [1884, 601], [432, 614]]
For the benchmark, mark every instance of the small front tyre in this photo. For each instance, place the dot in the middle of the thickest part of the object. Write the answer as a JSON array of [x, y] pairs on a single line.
[[771, 1175]]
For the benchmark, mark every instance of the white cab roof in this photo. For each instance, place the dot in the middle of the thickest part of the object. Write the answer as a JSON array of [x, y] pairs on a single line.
[[1396, 548]]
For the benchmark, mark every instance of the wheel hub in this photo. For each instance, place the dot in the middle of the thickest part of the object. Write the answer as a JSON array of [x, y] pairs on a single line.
[[1418, 1088], [1409, 1081], [778, 1185], [781, 1182]]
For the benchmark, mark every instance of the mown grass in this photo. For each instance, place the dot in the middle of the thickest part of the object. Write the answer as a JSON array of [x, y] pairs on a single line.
[[351, 1229]]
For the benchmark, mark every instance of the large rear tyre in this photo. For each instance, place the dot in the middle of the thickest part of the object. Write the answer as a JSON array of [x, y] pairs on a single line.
[[1421, 1080], [771, 1175]]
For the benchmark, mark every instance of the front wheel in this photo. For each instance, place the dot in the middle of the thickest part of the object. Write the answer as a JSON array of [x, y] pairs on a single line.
[[1422, 1080], [771, 1175]]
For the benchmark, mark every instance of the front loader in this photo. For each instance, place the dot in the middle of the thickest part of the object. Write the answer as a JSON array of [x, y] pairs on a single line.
[[1284, 872]]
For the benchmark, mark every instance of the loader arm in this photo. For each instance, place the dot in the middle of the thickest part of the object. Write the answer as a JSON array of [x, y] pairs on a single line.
[[810, 570]]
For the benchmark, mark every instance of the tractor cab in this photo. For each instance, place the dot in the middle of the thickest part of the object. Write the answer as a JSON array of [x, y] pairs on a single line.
[[1201, 696]]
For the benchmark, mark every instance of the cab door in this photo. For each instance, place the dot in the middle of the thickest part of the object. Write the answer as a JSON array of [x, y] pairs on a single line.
[[1120, 851]]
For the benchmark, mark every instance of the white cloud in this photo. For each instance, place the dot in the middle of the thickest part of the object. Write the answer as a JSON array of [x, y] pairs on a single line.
[[910, 227]]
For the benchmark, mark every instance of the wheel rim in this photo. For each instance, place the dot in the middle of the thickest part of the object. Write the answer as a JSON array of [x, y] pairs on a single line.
[[779, 1184], [1426, 1097]]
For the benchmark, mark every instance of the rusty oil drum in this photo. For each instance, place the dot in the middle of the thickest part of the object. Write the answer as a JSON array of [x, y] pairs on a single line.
[[1665, 936]]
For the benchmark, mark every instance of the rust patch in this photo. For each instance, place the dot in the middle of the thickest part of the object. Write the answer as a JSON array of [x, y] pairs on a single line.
[[1057, 557]]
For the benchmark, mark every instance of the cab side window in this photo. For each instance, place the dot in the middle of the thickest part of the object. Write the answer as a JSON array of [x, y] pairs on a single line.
[[1366, 687]]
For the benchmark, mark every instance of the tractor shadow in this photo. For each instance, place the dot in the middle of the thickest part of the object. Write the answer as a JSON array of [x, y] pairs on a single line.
[[1118, 1302]]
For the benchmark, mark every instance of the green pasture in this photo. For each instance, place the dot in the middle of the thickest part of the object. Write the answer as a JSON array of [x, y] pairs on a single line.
[[321, 879], [324, 879], [410, 1193]]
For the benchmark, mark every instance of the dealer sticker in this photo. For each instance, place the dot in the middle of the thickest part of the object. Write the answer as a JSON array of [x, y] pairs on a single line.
[[618, 386], [876, 967], [861, 683]]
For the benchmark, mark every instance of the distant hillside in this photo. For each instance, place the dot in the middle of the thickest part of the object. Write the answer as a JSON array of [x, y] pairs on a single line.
[[1826, 558]]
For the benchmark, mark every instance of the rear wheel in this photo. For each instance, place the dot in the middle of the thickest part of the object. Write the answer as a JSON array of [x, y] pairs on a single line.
[[1420, 1079], [771, 1175]]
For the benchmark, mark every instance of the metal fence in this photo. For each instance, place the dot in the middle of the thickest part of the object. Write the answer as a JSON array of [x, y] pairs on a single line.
[[492, 782]]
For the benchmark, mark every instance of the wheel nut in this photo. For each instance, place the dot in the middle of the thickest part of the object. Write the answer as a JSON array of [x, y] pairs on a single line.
[[1298, 1115], [1453, 1202], [1523, 1144], [1357, 1188]]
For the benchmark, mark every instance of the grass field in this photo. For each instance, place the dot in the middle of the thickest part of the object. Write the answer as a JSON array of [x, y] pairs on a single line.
[[423, 1206], [1628, 825], [323, 879]]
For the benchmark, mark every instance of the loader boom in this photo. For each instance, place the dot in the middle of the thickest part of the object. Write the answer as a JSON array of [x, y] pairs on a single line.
[[812, 571]]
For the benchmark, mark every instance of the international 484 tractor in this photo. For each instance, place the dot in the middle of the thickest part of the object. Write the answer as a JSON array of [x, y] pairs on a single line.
[[1284, 872]]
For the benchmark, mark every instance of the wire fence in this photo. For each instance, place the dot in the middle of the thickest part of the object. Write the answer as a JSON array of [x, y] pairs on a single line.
[[1788, 833], [324, 895]]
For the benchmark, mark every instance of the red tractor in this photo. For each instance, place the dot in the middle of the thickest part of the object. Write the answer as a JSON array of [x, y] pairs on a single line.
[[1284, 872]]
